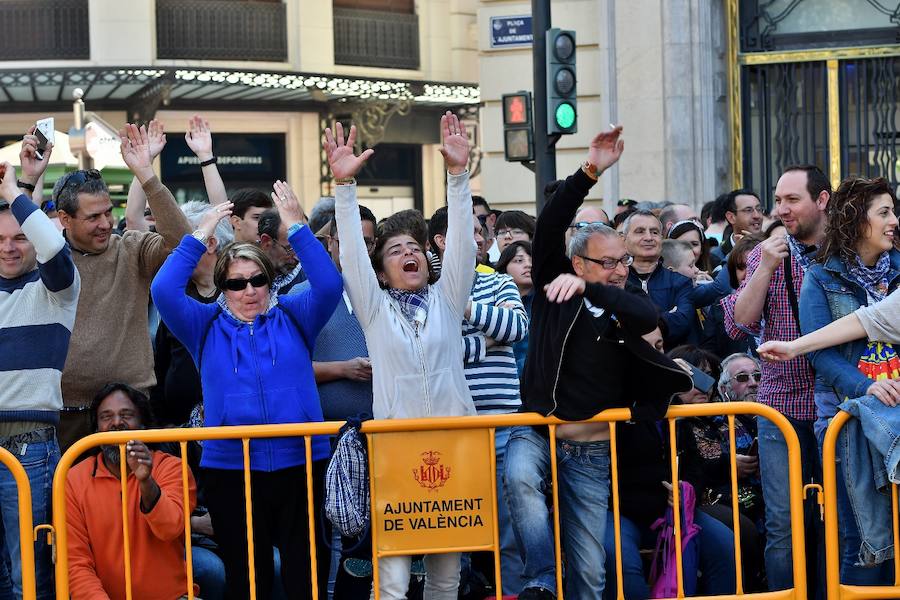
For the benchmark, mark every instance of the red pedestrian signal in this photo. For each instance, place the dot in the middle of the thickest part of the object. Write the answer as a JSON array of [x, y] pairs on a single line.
[[518, 141], [515, 110]]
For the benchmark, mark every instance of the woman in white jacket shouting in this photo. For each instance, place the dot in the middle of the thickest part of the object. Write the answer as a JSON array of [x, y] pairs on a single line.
[[412, 327]]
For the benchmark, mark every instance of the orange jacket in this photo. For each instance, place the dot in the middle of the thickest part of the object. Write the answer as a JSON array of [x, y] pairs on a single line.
[[95, 539]]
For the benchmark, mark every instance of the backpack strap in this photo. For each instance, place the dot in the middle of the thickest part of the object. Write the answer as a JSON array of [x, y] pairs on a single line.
[[792, 294]]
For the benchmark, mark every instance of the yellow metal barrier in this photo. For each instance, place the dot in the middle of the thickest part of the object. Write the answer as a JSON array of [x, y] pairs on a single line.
[[489, 423], [27, 535], [836, 590]]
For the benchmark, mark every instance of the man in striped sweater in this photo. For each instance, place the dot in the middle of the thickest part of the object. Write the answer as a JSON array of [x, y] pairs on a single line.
[[495, 320], [39, 288]]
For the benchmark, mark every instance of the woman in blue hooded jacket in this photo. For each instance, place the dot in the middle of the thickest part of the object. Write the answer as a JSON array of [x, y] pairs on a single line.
[[857, 266], [252, 349]]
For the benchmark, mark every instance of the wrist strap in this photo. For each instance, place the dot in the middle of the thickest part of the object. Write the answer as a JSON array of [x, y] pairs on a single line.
[[345, 180], [24, 186], [211, 161]]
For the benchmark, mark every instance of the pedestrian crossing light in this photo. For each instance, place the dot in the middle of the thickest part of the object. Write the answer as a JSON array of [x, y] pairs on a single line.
[[518, 141], [562, 103]]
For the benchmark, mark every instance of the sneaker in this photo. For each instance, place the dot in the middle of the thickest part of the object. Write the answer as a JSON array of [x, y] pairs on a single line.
[[536, 593]]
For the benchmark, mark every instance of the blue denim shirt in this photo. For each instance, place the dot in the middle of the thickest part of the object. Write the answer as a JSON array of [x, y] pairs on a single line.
[[829, 293]]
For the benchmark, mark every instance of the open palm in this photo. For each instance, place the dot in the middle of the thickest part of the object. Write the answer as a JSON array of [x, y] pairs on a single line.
[[455, 148], [135, 146], [606, 148], [344, 164]]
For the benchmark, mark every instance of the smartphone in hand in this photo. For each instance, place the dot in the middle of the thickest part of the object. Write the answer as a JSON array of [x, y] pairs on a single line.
[[44, 131]]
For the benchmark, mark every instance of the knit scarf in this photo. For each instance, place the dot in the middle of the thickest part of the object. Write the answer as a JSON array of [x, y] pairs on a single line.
[[413, 304], [801, 252], [874, 279]]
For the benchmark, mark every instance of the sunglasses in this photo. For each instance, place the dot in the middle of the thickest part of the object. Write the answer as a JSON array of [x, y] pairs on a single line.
[[238, 285], [582, 224], [77, 178], [626, 202], [745, 377]]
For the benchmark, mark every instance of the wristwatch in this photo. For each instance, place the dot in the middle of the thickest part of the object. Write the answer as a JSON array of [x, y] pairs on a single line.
[[590, 169], [200, 236]]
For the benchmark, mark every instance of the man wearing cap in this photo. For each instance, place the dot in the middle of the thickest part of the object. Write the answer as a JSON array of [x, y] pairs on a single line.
[[111, 339], [38, 295]]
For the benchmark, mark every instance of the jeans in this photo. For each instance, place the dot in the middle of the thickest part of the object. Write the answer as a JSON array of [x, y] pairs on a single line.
[[39, 460], [773, 466], [716, 542], [583, 473], [511, 565], [209, 573]]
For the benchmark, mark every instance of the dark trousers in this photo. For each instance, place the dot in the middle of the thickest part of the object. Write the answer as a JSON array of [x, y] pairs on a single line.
[[280, 519]]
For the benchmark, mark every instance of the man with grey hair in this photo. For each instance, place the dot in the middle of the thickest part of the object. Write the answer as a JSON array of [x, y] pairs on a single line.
[[740, 378], [584, 354]]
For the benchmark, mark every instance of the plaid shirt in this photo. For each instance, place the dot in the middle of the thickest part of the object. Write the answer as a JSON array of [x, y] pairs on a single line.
[[786, 386]]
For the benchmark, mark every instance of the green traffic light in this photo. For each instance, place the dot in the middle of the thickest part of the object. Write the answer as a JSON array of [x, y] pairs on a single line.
[[565, 115]]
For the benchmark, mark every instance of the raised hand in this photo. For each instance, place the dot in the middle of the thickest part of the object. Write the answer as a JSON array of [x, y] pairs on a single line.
[[9, 189], [287, 203], [211, 218], [606, 149], [199, 138], [135, 146], [157, 136], [139, 459], [455, 148], [32, 168], [344, 164]]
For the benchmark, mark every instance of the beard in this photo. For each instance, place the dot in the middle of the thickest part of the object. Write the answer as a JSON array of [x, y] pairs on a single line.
[[111, 455]]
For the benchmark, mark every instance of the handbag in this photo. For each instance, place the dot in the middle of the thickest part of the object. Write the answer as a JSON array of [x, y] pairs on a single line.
[[347, 482], [663, 571]]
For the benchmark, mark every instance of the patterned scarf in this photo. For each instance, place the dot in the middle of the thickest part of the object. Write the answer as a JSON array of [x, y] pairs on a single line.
[[413, 304], [873, 279], [801, 252]]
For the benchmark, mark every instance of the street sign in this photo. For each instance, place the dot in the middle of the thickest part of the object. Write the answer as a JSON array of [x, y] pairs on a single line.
[[509, 32]]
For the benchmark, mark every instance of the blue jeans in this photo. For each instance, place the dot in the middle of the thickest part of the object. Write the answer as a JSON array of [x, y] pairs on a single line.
[[40, 460], [773, 466], [583, 472], [511, 565], [716, 543]]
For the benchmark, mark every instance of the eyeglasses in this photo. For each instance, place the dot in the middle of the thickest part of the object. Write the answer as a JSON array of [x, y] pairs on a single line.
[[77, 178], [582, 224], [745, 377], [502, 233], [610, 263], [287, 248], [749, 210], [240, 284]]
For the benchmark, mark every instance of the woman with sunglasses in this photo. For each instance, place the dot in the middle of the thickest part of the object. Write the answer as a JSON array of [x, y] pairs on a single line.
[[412, 325], [857, 266], [252, 348]]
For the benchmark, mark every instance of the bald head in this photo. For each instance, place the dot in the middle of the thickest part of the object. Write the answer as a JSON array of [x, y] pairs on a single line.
[[592, 214], [674, 213]]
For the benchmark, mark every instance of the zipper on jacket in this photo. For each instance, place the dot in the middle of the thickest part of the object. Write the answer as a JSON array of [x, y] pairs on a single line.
[[562, 353], [262, 399], [424, 370]]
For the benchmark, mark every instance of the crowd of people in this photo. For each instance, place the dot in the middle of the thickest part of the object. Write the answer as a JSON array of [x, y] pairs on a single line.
[[243, 311]]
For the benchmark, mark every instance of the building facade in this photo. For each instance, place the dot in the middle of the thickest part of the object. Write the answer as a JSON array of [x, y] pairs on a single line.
[[268, 74]]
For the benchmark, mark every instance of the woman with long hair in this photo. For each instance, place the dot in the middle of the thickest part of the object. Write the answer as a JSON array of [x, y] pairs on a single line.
[[857, 266], [515, 261], [412, 326]]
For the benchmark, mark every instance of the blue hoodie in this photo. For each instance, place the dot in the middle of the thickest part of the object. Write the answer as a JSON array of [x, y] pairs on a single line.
[[254, 373]]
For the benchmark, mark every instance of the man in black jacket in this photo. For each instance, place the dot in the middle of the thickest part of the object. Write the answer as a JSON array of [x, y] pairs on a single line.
[[585, 349]]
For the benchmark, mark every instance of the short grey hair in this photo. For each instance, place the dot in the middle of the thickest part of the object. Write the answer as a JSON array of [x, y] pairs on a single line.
[[626, 225], [579, 241], [194, 211], [725, 378], [321, 214]]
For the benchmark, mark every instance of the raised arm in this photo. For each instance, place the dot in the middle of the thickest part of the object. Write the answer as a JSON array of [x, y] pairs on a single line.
[[137, 199], [458, 265], [359, 276], [185, 317], [33, 168], [199, 140], [55, 265]]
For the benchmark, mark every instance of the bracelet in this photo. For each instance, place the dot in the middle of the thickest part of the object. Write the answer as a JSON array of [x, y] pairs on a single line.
[[25, 186], [211, 161], [345, 181]]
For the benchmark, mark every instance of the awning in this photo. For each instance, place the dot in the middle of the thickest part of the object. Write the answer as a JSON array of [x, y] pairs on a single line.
[[141, 91]]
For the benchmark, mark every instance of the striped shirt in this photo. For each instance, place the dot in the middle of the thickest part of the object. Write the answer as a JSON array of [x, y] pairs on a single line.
[[37, 314], [498, 313], [785, 386]]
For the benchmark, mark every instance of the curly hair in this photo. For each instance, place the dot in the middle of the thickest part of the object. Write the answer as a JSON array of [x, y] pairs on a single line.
[[847, 217]]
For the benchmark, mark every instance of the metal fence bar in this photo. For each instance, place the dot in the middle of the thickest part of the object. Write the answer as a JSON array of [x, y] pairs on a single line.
[[498, 583], [248, 507], [126, 540], [735, 513], [676, 507], [26, 543], [188, 550], [554, 480], [373, 524], [245, 433], [311, 520], [617, 526]]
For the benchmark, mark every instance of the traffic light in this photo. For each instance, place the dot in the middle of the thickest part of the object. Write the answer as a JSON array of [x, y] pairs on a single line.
[[518, 141], [562, 103]]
